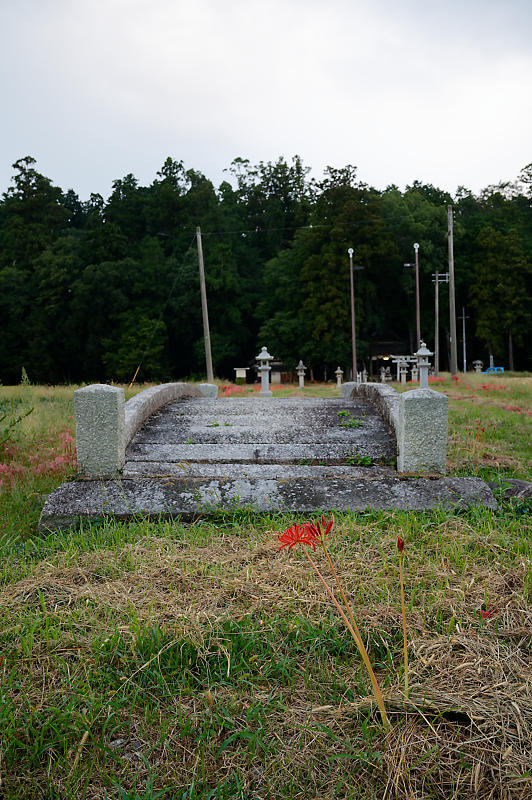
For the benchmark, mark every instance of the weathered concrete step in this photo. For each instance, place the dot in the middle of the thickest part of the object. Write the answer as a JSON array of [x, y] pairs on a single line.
[[170, 497], [330, 453], [206, 434], [224, 471], [273, 408]]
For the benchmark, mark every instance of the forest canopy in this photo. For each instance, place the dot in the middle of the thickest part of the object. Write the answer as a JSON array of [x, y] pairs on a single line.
[[88, 290]]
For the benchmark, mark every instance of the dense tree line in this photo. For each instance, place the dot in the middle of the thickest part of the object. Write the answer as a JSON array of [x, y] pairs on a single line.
[[90, 289]]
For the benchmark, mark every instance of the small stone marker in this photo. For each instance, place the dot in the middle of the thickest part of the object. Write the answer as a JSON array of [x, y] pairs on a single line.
[[264, 359], [300, 369], [339, 373], [100, 429]]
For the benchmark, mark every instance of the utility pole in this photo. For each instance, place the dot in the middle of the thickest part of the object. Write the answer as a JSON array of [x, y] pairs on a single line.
[[463, 318], [204, 310], [452, 309], [442, 277], [353, 329]]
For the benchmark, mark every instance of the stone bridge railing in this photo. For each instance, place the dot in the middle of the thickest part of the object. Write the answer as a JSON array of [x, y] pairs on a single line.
[[105, 423], [418, 418]]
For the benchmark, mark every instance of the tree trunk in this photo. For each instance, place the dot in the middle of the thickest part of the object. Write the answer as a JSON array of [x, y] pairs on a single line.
[[510, 352]]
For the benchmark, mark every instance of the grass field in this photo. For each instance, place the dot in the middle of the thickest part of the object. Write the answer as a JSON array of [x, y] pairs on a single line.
[[195, 661]]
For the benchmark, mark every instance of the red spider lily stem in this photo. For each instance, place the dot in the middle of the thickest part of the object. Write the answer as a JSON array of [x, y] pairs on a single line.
[[404, 618], [376, 690], [344, 598]]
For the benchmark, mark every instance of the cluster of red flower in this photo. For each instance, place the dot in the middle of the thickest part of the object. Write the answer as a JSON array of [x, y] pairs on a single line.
[[55, 457]]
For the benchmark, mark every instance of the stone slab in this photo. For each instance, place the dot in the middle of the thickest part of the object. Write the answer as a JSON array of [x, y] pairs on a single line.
[[87, 500], [331, 453], [223, 470]]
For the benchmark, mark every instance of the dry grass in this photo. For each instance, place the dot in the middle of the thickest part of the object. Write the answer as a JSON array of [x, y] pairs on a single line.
[[465, 731]]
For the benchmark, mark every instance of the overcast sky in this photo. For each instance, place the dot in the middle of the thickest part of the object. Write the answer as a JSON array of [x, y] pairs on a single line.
[[404, 89]]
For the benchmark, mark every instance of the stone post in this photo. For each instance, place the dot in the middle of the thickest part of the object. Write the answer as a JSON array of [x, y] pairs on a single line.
[[264, 368], [339, 373], [364, 375], [100, 429], [422, 431], [300, 369]]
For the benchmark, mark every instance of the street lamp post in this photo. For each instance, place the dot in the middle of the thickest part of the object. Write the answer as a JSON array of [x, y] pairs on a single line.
[[353, 335], [418, 316], [418, 320], [353, 329]]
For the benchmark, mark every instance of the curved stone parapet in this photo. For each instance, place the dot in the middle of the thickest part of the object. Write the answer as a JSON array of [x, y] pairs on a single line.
[[384, 397], [105, 424], [144, 404]]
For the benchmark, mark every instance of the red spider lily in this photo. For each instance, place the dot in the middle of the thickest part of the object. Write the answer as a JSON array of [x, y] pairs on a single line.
[[488, 612], [319, 529], [297, 534], [400, 544]]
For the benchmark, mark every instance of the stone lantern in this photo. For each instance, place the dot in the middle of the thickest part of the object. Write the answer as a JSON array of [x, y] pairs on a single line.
[[383, 374], [339, 373], [423, 363], [403, 369], [264, 359], [415, 373], [477, 365], [300, 369]]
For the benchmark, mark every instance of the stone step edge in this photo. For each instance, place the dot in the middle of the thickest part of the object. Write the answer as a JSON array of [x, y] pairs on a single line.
[[95, 500]]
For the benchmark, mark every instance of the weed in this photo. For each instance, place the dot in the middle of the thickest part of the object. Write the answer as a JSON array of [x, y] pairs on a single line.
[[357, 460]]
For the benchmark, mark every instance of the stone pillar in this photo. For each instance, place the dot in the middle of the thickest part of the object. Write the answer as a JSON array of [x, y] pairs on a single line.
[[422, 431], [208, 389], [339, 374], [100, 429], [300, 369], [346, 389], [364, 375]]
